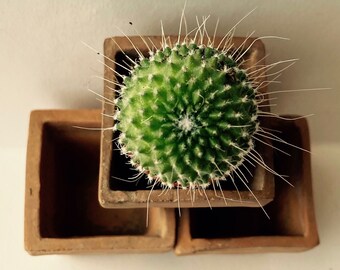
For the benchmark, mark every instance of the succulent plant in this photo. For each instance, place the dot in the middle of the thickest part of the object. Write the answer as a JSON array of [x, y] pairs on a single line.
[[187, 115]]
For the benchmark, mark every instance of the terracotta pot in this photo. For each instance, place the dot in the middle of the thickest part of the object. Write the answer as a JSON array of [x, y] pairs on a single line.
[[62, 213], [115, 193], [292, 225]]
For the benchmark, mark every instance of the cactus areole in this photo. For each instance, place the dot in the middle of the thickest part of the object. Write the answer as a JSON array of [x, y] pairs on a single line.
[[186, 115]]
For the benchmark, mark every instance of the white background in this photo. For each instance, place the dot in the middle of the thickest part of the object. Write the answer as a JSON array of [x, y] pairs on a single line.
[[43, 64]]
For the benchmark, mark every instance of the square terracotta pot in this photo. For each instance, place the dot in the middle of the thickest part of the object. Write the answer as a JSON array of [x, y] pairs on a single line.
[[62, 213], [292, 225], [114, 193]]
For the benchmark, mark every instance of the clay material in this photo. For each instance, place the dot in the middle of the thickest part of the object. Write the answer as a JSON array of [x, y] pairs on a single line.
[[62, 213], [292, 225], [115, 193]]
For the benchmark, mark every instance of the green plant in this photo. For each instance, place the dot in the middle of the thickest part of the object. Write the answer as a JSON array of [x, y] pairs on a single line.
[[187, 114]]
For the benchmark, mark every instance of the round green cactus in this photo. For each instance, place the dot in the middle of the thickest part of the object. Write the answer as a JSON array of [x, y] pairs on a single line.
[[187, 115]]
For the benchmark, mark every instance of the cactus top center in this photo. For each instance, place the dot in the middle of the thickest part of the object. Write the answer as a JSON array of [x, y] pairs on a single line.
[[186, 123]]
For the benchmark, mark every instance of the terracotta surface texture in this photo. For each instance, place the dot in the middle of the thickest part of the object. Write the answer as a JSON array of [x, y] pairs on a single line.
[[292, 225], [115, 193], [62, 212]]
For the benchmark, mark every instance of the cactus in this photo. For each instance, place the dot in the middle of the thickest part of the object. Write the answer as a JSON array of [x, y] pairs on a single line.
[[187, 115]]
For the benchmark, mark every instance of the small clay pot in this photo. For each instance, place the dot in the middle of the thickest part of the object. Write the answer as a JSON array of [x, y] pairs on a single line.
[[62, 212], [292, 225], [115, 193]]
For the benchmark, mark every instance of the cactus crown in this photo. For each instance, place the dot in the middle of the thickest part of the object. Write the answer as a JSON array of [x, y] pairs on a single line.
[[187, 115]]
